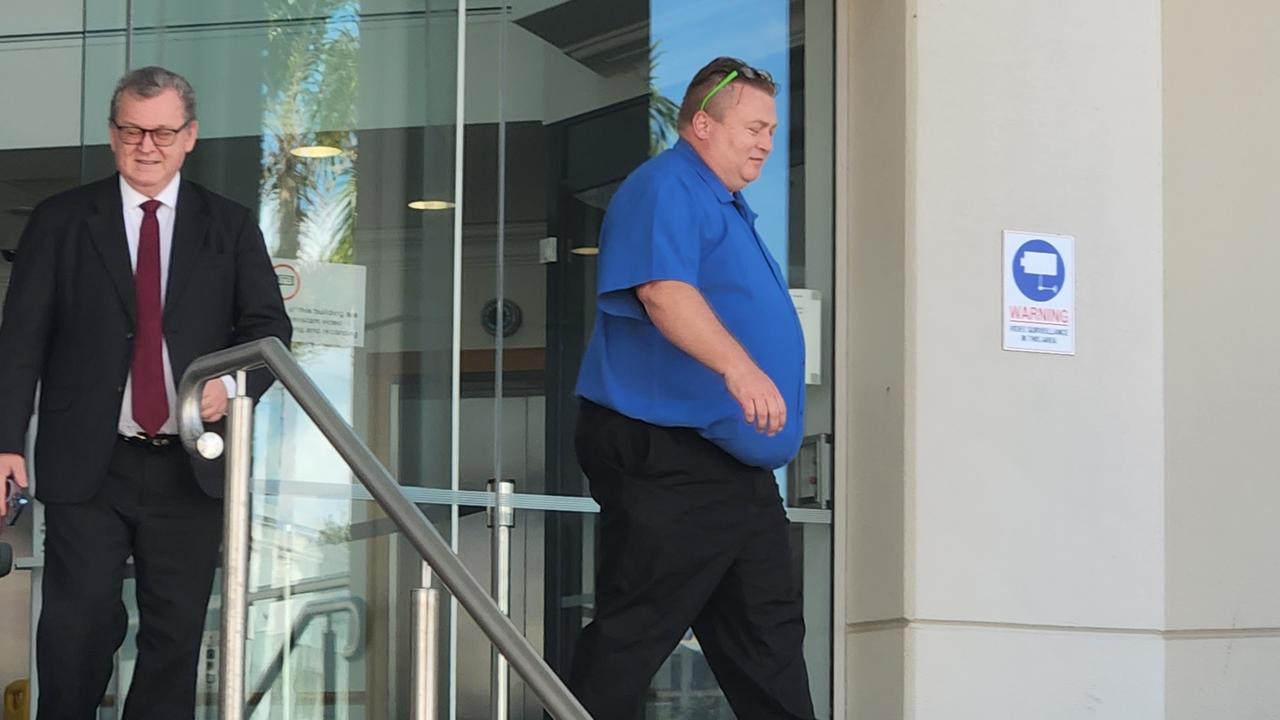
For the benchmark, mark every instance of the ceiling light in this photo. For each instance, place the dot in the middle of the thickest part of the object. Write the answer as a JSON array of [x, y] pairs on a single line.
[[586, 250], [431, 205], [315, 151]]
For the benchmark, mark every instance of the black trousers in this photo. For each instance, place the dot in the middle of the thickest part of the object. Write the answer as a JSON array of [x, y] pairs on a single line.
[[150, 507], [690, 537]]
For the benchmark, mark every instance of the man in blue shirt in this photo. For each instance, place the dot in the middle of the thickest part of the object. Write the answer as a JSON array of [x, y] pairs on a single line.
[[692, 392]]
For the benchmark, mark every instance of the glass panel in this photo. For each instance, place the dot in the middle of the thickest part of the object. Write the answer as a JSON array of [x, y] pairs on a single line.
[[324, 623], [533, 598], [104, 60], [335, 121], [328, 612], [42, 48], [42, 63], [563, 101], [560, 117], [577, 100]]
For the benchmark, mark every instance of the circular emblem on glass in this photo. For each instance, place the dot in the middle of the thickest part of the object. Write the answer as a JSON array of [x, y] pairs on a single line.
[[511, 317]]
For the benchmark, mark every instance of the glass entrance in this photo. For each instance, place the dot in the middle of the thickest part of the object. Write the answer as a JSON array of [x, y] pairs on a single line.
[[580, 93], [430, 177]]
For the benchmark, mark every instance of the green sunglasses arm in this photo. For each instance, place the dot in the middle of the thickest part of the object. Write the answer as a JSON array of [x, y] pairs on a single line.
[[719, 86]]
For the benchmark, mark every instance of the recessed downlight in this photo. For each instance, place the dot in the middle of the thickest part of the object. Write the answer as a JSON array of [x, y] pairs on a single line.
[[315, 151], [431, 205]]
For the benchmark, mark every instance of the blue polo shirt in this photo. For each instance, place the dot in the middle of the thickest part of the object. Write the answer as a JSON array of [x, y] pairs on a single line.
[[673, 219]]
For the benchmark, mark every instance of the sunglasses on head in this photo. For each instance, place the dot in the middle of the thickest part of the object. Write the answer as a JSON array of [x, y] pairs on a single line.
[[745, 71]]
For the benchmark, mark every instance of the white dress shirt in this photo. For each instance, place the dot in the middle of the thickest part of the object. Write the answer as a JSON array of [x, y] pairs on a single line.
[[165, 214]]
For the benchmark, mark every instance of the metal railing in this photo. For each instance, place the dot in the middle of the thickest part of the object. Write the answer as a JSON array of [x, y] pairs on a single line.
[[433, 548], [312, 610]]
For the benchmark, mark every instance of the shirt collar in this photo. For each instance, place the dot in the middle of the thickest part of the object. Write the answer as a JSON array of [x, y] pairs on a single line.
[[713, 181], [131, 198]]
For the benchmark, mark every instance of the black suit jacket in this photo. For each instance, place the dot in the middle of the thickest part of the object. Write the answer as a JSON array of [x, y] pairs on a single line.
[[69, 319]]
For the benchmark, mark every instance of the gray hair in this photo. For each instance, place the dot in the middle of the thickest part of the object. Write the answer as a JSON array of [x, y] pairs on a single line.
[[149, 82]]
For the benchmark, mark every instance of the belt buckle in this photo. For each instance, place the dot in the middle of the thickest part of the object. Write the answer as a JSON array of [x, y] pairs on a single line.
[[152, 440]]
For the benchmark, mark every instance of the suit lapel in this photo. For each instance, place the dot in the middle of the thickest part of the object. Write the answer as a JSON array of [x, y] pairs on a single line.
[[189, 230], [106, 227]]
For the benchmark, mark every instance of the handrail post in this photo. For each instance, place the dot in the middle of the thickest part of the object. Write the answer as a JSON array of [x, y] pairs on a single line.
[[235, 549], [329, 671], [502, 517], [520, 654], [426, 648]]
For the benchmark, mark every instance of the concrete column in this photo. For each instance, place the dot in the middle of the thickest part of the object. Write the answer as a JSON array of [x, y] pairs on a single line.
[[1006, 510], [871, 217], [1222, 109]]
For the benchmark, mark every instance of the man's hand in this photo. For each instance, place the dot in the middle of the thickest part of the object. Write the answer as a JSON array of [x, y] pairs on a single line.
[[13, 466], [683, 316], [213, 401], [762, 404]]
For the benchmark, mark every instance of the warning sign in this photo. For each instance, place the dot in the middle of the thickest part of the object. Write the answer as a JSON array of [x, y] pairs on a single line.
[[325, 301], [1039, 293]]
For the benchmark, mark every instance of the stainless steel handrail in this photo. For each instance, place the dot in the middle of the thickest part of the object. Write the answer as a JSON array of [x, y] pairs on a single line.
[[271, 353], [310, 611]]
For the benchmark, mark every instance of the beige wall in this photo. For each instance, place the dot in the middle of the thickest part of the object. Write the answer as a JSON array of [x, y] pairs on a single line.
[[1021, 497], [1037, 479], [1222, 111], [1035, 482], [872, 491]]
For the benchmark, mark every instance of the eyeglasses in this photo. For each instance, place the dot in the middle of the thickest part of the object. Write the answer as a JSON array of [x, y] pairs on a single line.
[[162, 137], [745, 71]]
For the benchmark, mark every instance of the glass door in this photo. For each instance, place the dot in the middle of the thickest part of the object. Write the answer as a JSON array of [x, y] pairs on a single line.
[[563, 102], [336, 121], [430, 177]]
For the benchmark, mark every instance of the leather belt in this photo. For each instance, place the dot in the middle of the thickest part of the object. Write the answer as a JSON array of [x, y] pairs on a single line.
[[155, 441]]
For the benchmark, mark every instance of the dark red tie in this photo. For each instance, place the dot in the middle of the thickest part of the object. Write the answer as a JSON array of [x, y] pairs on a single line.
[[150, 401]]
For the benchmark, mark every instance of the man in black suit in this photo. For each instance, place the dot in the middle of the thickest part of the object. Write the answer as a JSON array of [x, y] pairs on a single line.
[[118, 286]]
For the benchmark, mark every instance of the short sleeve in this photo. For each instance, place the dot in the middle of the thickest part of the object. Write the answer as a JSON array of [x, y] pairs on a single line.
[[651, 232]]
